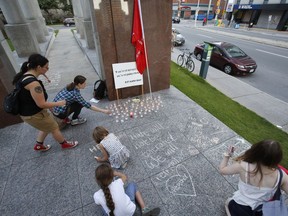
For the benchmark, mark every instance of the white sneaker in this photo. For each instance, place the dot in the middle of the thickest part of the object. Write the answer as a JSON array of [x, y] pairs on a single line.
[[78, 121]]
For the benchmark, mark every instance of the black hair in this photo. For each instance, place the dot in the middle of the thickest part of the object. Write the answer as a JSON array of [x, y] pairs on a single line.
[[33, 62], [77, 80], [267, 153]]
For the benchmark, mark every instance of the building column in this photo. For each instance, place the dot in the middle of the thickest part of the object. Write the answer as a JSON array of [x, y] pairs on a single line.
[[87, 24], [30, 16], [39, 16], [99, 61], [19, 32], [8, 68], [78, 15]]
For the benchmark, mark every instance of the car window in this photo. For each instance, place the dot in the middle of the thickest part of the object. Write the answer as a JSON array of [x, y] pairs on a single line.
[[216, 50], [234, 51], [175, 31]]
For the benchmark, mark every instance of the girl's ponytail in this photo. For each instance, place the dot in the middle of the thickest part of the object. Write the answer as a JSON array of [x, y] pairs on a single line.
[[70, 86], [109, 200], [23, 70], [104, 176]]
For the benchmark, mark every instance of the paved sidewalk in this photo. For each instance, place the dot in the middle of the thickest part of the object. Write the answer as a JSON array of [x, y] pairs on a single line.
[[266, 106], [175, 152]]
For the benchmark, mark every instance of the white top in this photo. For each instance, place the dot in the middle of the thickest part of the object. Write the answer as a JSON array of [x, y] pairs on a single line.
[[123, 205], [253, 196], [118, 153]]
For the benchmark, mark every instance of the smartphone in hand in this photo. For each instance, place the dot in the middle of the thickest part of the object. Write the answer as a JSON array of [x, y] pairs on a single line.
[[231, 150]]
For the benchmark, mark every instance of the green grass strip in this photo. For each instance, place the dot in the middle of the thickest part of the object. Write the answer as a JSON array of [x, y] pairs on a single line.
[[10, 44], [243, 121]]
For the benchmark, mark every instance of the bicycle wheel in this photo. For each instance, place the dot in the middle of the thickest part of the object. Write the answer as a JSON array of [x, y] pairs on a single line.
[[180, 60], [190, 65]]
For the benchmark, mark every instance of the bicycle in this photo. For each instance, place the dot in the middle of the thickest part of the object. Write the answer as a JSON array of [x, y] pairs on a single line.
[[186, 60]]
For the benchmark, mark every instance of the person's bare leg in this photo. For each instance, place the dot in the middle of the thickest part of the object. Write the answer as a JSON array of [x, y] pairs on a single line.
[[57, 135], [41, 136], [140, 199]]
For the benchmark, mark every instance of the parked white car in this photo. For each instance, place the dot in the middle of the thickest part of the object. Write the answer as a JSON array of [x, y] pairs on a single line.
[[179, 40]]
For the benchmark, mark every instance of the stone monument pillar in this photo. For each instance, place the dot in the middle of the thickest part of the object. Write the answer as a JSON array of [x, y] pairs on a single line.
[[8, 69], [99, 61], [30, 15], [39, 16], [78, 15], [87, 24], [114, 20], [20, 33]]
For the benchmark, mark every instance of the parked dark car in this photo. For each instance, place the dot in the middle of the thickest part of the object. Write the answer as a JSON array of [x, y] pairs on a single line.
[[175, 19], [69, 21], [178, 38], [228, 57]]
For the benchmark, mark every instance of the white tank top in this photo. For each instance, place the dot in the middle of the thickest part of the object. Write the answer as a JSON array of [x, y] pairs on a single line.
[[253, 196]]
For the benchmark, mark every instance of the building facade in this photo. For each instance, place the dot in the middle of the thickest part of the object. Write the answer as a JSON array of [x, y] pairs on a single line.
[[187, 9], [270, 14]]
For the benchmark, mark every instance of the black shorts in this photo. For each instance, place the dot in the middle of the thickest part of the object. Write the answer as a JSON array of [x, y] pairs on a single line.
[[241, 210]]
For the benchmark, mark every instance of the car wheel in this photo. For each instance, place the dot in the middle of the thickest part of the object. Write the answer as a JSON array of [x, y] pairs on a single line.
[[228, 69], [67, 24], [199, 57]]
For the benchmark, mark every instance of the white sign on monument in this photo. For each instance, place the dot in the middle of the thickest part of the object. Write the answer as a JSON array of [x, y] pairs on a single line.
[[126, 75]]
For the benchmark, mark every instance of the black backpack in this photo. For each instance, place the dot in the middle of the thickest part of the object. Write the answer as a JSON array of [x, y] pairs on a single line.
[[99, 89], [11, 101]]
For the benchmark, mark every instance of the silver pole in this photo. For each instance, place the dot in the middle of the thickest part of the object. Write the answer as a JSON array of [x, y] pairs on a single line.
[[208, 10], [196, 12]]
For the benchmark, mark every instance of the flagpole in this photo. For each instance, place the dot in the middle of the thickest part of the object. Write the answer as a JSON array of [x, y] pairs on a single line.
[[143, 35]]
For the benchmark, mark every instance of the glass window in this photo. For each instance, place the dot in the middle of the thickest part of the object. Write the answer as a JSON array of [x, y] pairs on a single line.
[[234, 51]]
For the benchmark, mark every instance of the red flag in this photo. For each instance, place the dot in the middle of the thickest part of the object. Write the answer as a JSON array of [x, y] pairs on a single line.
[[137, 40]]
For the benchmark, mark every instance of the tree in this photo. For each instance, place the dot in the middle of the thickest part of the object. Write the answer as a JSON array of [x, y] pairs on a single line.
[[47, 5]]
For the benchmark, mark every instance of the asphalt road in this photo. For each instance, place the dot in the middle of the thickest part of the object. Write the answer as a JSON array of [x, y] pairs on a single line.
[[271, 74]]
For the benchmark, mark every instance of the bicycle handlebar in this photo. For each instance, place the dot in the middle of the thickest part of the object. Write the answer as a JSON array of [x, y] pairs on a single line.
[[184, 49]]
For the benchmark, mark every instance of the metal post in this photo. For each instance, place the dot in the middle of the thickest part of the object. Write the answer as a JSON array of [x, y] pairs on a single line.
[[196, 12], [208, 10], [179, 6], [224, 10], [217, 9]]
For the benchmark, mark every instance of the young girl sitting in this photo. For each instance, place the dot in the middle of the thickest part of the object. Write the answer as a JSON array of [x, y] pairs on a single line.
[[258, 177], [114, 198], [111, 148]]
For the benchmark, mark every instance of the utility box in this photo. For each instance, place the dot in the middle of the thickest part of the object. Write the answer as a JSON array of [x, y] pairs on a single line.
[[206, 59]]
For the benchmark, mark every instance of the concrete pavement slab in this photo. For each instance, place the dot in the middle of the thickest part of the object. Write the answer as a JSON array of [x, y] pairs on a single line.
[[272, 109], [174, 155]]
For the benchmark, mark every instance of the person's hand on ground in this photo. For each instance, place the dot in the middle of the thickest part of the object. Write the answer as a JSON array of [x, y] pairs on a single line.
[[107, 112]]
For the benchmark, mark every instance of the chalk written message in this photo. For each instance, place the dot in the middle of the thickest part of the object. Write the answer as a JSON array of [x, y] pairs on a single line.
[[177, 181], [126, 75], [160, 147]]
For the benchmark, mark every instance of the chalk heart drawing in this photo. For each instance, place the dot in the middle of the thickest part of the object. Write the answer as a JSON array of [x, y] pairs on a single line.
[[181, 184]]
